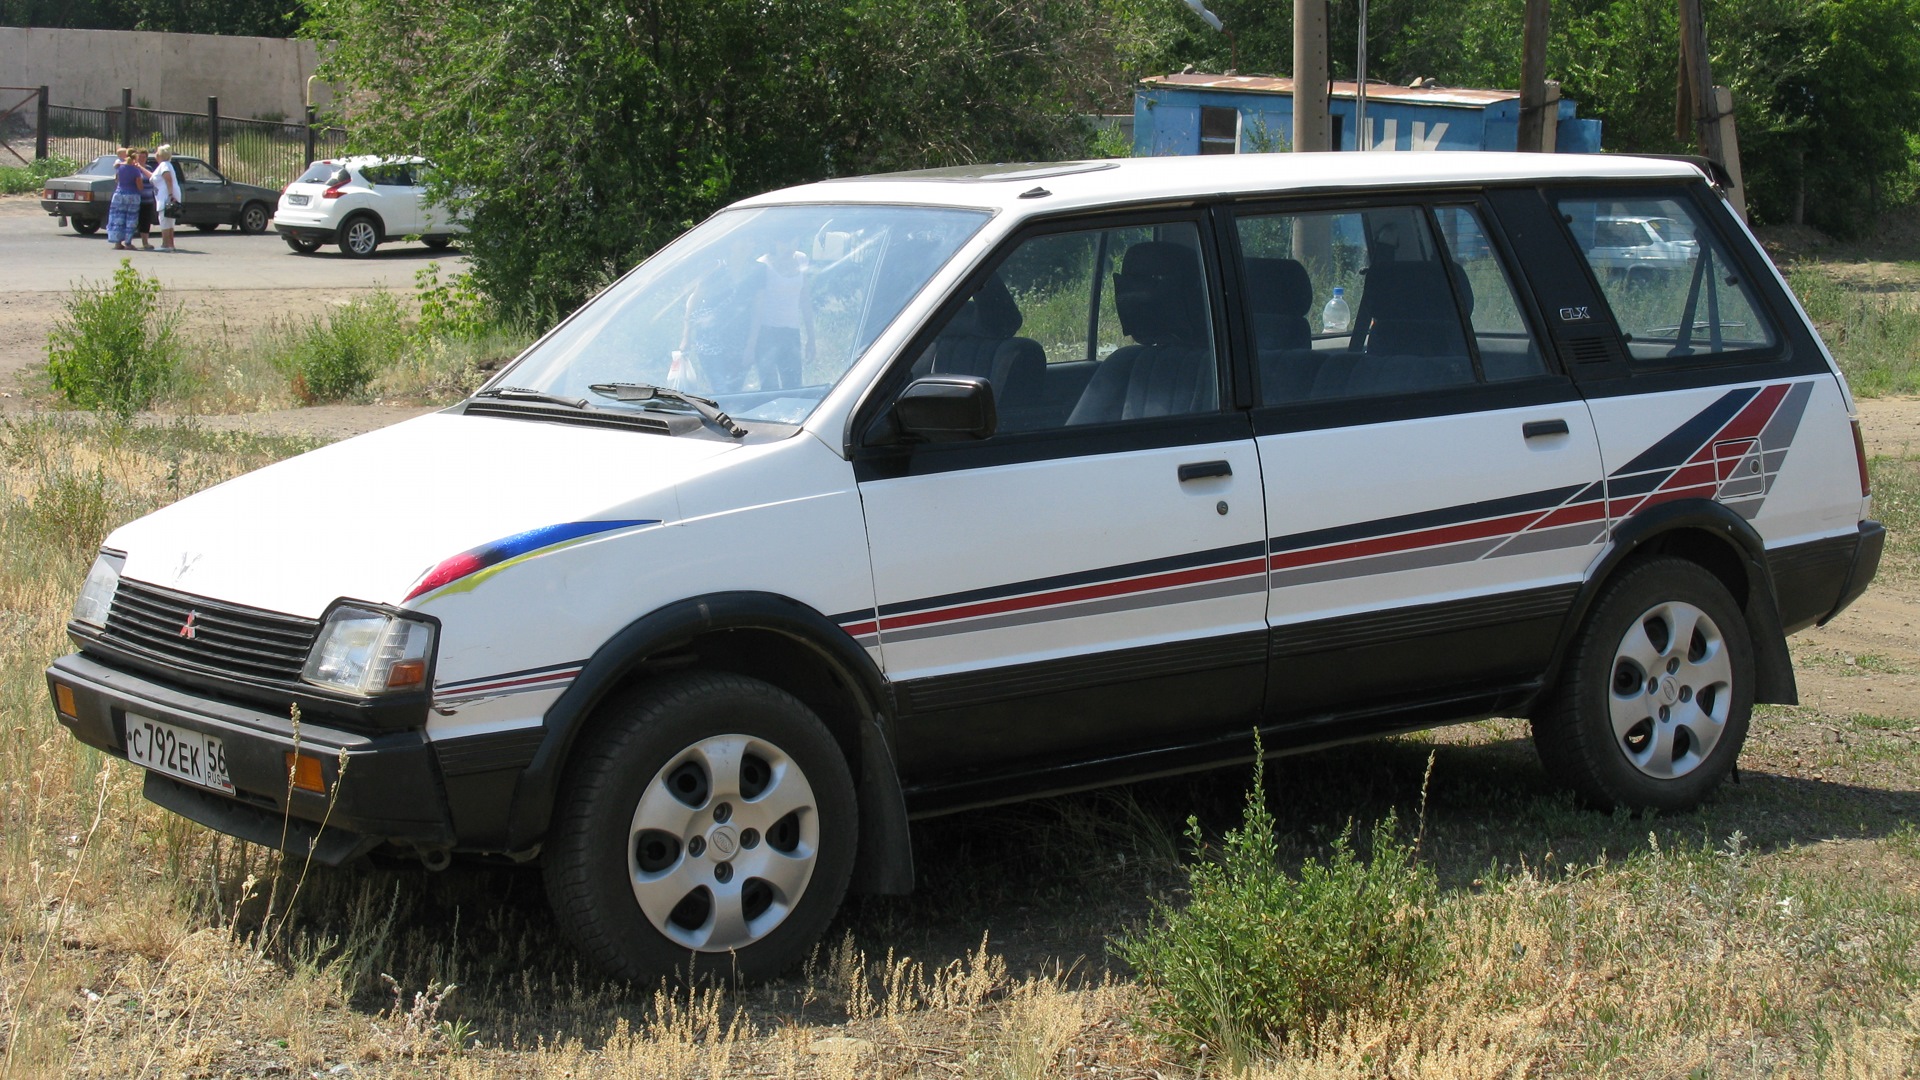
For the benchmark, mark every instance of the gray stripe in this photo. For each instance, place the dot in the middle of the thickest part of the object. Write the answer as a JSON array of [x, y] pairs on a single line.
[[1187, 594], [1466, 551], [1554, 539], [1780, 430]]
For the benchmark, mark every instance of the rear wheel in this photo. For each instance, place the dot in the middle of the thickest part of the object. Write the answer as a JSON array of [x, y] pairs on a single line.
[[359, 237], [1655, 700], [708, 826], [303, 244], [253, 218], [84, 226]]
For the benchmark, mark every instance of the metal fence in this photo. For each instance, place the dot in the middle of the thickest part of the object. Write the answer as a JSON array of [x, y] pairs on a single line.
[[265, 152]]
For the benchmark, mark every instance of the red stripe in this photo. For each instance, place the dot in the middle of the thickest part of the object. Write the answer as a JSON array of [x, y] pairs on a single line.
[[1572, 515], [1452, 534], [1220, 572], [861, 629]]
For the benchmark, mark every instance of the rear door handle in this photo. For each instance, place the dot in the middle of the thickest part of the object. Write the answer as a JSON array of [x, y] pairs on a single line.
[[1535, 429], [1200, 470]]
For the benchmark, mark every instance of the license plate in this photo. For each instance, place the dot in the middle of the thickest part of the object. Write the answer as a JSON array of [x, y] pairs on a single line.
[[179, 753], [63, 194], [296, 200]]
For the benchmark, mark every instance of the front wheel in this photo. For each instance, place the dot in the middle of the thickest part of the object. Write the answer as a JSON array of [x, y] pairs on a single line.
[[708, 824], [437, 243], [1654, 702]]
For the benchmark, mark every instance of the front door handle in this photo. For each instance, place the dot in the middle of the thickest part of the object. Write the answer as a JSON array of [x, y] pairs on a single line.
[[1535, 429], [1200, 470]]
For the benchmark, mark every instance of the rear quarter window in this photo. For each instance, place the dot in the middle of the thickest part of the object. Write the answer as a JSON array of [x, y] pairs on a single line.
[[1675, 291]]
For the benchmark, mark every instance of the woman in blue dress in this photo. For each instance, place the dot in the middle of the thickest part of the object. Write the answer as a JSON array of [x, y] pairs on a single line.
[[123, 214]]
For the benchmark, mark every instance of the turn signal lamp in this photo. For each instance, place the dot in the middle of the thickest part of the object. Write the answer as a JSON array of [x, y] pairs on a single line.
[[63, 700], [304, 773]]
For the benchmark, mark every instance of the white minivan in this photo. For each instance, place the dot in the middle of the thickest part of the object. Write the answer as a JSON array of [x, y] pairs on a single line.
[[361, 203], [906, 494]]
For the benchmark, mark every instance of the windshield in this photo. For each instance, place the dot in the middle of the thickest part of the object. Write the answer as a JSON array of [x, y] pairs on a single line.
[[762, 310]]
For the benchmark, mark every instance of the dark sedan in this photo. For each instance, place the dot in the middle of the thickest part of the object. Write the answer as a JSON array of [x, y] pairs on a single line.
[[208, 200]]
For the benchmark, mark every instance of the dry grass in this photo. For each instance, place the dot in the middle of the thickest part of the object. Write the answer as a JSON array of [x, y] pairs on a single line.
[[1774, 933]]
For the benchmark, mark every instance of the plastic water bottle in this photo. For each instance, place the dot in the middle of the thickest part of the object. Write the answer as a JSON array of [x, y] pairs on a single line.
[[1336, 316]]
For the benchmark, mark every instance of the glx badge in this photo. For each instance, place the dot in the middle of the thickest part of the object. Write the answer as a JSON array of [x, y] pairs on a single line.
[[1575, 314]]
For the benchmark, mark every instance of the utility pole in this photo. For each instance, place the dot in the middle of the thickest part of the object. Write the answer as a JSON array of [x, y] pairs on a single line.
[[1533, 80], [1701, 126], [1312, 128]]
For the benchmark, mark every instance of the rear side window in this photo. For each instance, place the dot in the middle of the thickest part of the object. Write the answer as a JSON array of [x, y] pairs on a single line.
[[1381, 301], [318, 173], [1674, 292]]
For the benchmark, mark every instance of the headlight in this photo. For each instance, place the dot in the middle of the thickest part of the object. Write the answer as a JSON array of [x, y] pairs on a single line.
[[96, 596], [362, 651]]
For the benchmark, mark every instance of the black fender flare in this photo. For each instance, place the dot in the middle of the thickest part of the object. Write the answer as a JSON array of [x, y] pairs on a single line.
[[885, 862], [1773, 676]]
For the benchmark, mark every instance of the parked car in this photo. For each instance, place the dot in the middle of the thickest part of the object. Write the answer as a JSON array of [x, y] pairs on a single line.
[[208, 199], [1638, 250], [361, 203], [1034, 478]]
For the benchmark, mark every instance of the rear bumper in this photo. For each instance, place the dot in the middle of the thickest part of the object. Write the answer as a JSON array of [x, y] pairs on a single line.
[[379, 789], [1866, 563], [324, 235], [83, 210]]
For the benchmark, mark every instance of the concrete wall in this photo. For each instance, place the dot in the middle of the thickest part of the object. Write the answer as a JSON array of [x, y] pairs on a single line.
[[251, 76]]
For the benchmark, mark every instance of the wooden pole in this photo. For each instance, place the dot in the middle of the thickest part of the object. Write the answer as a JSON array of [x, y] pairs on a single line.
[[1697, 76], [1533, 80], [1312, 129]]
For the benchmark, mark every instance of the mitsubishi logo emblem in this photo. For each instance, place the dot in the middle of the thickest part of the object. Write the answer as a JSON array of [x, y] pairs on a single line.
[[186, 628]]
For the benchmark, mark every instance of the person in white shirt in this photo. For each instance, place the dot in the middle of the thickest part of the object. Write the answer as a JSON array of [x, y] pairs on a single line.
[[166, 186]]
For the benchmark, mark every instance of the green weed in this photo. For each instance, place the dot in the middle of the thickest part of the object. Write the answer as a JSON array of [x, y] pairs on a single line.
[[29, 179], [1260, 957], [116, 348], [335, 357], [1875, 336]]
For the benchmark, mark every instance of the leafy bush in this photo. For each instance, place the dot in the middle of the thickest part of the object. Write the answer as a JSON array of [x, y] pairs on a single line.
[[28, 179], [454, 308], [115, 349], [1258, 957], [335, 357]]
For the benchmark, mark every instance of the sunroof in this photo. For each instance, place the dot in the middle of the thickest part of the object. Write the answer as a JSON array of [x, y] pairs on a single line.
[[1002, 172]]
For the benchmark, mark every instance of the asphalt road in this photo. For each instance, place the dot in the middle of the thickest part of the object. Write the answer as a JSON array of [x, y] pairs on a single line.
[[36, 254]]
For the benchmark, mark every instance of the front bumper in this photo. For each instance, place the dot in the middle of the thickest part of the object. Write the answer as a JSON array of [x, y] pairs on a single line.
[[379, 789]]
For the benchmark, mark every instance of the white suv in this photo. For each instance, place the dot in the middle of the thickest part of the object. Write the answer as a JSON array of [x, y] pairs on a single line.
[[360, 203], [907, 494]]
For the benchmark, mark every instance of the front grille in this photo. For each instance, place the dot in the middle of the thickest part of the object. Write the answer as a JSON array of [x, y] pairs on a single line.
[[226, 639]]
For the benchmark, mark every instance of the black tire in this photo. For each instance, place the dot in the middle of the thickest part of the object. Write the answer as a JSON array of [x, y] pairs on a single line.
[[302, 245], [1654, 702], [437, 243], [206, 226], [360, 236], [661, 752], [84, 226], [253, 218]]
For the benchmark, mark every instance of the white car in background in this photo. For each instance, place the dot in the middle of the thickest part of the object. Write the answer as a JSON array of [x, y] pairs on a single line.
[[361, 203]]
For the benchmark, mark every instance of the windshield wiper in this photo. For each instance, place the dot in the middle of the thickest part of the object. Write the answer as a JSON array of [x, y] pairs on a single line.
[[521, 393], [627, 391]]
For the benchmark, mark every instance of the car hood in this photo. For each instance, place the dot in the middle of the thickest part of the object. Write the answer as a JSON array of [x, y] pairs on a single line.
[[368, 518]]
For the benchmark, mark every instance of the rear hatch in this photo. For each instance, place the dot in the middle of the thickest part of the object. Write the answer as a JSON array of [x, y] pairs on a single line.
[[310, 195]]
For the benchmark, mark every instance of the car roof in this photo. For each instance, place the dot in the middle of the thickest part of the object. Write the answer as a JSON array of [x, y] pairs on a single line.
[[1052, 186], [359, 160]]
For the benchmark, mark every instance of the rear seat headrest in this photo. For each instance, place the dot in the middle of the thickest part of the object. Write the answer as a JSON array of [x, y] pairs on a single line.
[[1278, 287]]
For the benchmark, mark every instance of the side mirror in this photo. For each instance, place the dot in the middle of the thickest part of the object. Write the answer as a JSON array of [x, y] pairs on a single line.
[[946, 408]]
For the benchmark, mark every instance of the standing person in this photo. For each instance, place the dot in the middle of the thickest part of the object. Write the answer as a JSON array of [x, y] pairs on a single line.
[[784, 318], [166, 185], [123, 213], [149, 212], [718, 337]]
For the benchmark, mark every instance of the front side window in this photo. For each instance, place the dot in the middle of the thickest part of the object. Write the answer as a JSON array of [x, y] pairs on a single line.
[[1673, 290], [199, 171], [762, 309], [1089, 327], [1379, 301]]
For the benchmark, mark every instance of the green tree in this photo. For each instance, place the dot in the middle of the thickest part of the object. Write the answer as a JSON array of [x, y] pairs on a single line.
[[579, 135]]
